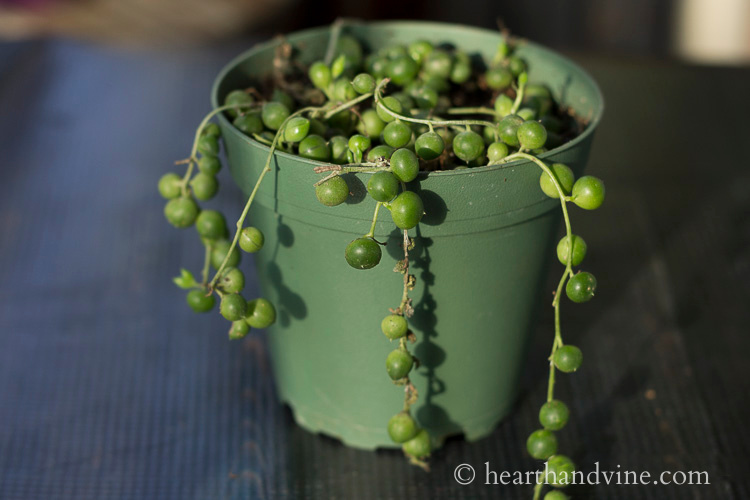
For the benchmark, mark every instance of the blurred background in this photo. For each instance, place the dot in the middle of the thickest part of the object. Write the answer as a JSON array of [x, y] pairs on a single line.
[[708, 31]]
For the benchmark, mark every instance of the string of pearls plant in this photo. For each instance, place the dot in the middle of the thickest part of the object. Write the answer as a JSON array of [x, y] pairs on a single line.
[[339, 114]]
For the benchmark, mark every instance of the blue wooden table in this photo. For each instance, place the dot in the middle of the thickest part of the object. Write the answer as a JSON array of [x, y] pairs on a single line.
[[111, 388]]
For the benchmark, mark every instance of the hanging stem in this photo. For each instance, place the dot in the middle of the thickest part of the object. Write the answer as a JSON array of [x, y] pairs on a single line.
[[347, 105], [206, 262], [192, 160], [472, 111], [538, 490], [266, 169], [379, 103], [336, 28], [557, 342], [371, 232], [522, 80]]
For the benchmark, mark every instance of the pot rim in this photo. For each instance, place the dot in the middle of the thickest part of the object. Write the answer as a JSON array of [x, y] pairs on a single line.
[[270, 44]]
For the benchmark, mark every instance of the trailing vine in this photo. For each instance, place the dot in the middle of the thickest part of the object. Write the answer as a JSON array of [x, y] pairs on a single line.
[[415, 136]]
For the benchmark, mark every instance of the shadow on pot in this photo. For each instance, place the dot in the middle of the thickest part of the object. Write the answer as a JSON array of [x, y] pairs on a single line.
[[290, 304], [431, 416], [357, 189]]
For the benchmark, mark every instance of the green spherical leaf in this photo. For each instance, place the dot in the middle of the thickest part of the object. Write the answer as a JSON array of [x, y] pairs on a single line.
[[404, 165], [332, 192], [564, 176], [199, 301], [407, 210], [219, 251], [418, 50], [425, 97], [363, 83], [240, 99], [581, 287], [503, 105], [419, 446], [363, 253], [273, 114], [468, 145], [339, 146], [381, 151], [370, 124], [568, 358], [232, 280], [249, 123], [251, 239], [233, 307], [260, 313], [508, 129], [588, 192], [531, 135], [498, 78], [211, 129], [209, 165], [398, 364], [579, 250], [559, 471], [359, 143], [527, 114], [394, 326], [397, 134], [429, 145], [181, 212], [208, 145], [392, 104], [315, 147], [497, 151], [541, 444], [343, 90], [296, 129], [382, 186], [516, 65], [170, 185], [554, 415], [438, 63], [402, 70], [402, 427], [204, 186], [320, 75], [211, 225], [239, 330]]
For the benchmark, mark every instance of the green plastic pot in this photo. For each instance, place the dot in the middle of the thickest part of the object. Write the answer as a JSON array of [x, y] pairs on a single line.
[[483, 250]]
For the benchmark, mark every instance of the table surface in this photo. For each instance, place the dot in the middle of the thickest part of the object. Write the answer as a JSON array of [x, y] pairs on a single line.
[[110, 388]]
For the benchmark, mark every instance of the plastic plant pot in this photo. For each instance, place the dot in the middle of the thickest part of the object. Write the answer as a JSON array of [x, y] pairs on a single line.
[[482, 255]]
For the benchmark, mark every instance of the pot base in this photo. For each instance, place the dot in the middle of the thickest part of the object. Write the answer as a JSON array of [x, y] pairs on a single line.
[[361, 437]]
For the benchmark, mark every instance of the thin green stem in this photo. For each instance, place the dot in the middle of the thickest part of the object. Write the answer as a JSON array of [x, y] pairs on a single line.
[[371, 232], [563, 201], [519, 94], [192, 160], [335, 170], [336, 28], [557, 342], [262, 139], [472, 111], [379, 103], [266, 169], [538, 490], [347, 105], [206, 262]]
